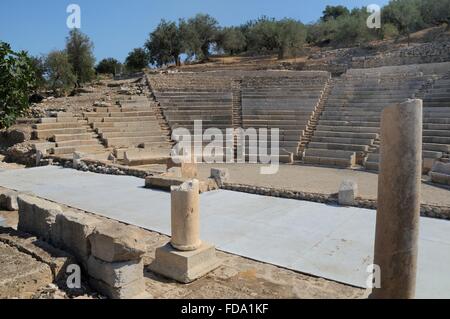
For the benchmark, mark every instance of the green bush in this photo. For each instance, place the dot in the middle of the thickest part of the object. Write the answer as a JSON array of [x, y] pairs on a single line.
[[17, 80]]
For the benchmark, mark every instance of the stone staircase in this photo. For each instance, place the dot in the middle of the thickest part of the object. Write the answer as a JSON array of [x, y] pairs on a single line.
[[68, 134], [309, 131], [131, 123], [348, 128]]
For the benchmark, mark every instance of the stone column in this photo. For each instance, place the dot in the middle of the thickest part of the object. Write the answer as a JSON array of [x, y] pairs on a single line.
[[398, 215], [186, 216]]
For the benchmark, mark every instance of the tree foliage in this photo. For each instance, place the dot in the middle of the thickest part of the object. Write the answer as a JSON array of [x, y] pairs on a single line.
[[109, 66], [17, 80], [60, 75], [79, 50], [232, 40], [199, 33], [165, 44], [137, 60], [404, 14], [334, 12]]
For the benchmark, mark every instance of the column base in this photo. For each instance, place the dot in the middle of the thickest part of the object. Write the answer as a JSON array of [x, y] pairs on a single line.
[[185, 266]]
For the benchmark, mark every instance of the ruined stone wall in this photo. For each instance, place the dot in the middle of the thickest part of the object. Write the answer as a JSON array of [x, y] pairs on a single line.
[[435, 52]]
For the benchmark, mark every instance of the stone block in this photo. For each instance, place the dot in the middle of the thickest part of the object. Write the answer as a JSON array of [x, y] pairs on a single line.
[[165, 182], [115, 242], [348, 192], [185, 266], [220, 175], [189, 170], [56, 259], [37, 216], [72, 230], [117, 274], [134, 290], [8, 200]]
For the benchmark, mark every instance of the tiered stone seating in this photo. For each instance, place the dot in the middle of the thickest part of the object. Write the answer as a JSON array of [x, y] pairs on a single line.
[[436, 120], [284, 102], [129, 124], [68, 133], [436, 126], [185, 98], [349, 126], [440, 173]]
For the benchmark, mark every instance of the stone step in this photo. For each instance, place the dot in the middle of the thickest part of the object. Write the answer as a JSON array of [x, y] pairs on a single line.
[[77, 143], [252, 117], [349, 123], [332, 158], [132, 141], [81, 148], [337, 146], [357, 118], [130, 119], [69, 137], [137, 129], [350, 129], [46, 134], [440, 127], [436, 147], [443, 133], [155, 135], [436, 139], [341, 140], [51, 126], [350, 135]]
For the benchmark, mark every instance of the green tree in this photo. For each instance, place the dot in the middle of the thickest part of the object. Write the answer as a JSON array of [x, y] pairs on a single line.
[[137, 60], [405, 15], [79, 49], [40, 70], [17, 80], [165, 44], [268, 35], [109, 66], [290, 37], [199, 33], [334, 12], [232, 40], [322, 33], [60, 72], [351, 30], [435, 12]]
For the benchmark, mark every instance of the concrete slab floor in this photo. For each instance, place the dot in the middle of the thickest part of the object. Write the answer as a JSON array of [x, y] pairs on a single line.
[[325, 241]]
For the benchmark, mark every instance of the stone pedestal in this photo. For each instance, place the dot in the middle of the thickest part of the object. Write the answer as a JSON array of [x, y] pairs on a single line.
[[398, 215], [348, 191], [185, 258], [185, 266]]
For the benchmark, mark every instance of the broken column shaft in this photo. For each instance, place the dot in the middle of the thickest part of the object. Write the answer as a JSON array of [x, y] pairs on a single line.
[[398, 214], [186, 216]]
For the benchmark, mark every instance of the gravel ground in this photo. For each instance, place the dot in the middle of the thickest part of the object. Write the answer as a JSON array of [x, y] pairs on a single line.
[[321, 180]]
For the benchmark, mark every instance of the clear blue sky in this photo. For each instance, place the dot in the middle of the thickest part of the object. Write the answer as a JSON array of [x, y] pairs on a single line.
[[117, 26]]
